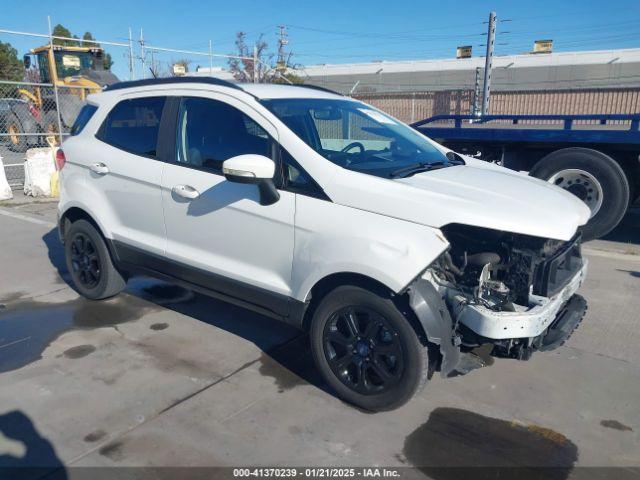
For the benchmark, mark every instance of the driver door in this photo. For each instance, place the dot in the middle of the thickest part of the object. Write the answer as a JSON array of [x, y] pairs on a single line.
[[218, 234]]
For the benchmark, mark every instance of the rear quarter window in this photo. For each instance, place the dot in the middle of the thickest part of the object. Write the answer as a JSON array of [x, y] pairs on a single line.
[[83, 118], [133, 125]]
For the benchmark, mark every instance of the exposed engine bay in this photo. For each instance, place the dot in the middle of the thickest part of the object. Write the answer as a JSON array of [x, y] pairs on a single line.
[[515, 292]]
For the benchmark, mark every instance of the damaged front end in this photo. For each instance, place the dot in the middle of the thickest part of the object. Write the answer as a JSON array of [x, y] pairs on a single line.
[[515, 293]]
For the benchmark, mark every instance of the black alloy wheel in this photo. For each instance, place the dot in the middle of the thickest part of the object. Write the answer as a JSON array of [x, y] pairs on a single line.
[[363, 350], [85, 261]]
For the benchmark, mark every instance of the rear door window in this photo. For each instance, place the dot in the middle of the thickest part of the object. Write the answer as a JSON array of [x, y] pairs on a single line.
[[133, 125], [83, 118]]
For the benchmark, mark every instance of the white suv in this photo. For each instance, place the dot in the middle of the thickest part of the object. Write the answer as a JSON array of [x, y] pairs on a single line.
[[398, 256]]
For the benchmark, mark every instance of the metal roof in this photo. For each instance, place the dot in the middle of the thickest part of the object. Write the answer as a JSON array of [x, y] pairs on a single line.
[[561, 70]]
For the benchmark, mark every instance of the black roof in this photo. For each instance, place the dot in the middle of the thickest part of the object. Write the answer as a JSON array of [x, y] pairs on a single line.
[[207, 80], [170, 80]]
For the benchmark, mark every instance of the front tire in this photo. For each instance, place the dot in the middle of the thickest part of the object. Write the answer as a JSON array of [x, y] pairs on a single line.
[[593, 177], [366, 350], [89, 262]]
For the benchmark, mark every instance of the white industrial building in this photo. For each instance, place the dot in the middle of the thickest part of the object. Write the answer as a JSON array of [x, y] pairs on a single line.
[[541, 71]]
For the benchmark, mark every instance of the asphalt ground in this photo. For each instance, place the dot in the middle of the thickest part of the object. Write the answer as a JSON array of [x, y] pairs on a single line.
[[162, 378]]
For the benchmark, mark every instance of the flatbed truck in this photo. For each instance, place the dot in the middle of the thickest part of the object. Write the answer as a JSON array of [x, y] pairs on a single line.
[[595, 157]]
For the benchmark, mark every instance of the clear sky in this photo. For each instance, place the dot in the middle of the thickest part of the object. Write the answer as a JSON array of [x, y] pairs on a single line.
[[333, 31]]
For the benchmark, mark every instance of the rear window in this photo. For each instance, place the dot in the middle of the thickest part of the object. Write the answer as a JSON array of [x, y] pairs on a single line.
[[133, 125], [83, 118]]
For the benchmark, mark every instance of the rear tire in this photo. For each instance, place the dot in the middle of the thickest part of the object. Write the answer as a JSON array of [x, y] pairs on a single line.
[[89, 262], [599, 173], [378, 363]]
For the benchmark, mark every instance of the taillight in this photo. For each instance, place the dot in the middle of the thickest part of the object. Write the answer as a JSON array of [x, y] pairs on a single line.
[[60, 159]]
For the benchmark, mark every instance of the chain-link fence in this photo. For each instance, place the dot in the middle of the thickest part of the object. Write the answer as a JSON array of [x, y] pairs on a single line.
[[42, 99], [60, 71], [413, 106], [29, 114]]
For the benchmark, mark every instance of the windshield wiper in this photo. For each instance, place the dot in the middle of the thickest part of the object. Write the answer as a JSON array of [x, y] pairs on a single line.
[[417, 168]]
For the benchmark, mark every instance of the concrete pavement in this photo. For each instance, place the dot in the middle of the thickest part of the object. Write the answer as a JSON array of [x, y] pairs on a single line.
[[160, 376]]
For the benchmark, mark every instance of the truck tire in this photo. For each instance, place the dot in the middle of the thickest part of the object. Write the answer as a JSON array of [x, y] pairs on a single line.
[[50, 126], [366, 350], [89, 262], [595, 178], [17, 141]]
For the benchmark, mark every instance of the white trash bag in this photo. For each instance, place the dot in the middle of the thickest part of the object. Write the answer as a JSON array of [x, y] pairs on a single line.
[[38, 168], [5, 189]]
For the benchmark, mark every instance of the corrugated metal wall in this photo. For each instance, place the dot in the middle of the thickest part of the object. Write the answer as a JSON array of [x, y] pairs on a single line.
[[413, 106]]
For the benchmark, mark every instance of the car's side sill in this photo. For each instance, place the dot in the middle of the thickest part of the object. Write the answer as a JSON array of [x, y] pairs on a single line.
[[274, 305]]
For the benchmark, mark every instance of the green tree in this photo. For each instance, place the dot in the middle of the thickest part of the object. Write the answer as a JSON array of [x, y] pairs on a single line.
[[107, 60], [11, 67], [62, 31], [288, 75], [87, 36]]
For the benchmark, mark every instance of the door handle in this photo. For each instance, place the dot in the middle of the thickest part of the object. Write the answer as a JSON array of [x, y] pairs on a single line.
[[99, 168], [186, 191]]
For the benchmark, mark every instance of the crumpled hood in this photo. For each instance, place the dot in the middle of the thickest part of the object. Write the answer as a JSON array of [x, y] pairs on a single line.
[[477, 194]]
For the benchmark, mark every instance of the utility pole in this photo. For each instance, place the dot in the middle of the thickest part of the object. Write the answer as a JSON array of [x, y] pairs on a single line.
[[475, 108], [55, 86], [255, 64], [142, 53], [488, 62], [281, 64], [131, 74]]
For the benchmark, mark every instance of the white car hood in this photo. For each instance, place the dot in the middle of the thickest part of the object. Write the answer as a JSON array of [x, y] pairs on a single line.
[[477, 194]]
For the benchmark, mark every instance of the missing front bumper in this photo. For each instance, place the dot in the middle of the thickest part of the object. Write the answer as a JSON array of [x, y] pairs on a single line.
[[545, 326], [525, 322]]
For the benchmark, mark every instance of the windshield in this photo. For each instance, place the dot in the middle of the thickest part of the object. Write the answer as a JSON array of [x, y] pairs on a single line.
[[69, 63], [355, 136]]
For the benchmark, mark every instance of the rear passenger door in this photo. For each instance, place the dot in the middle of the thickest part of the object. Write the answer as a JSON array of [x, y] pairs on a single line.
[[128, 174], [221, 237]]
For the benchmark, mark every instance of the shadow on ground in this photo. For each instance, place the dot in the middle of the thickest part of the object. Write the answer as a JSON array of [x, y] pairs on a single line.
[[55, 250], [456, 443], [25, 454], [628, 230], [286, 351]]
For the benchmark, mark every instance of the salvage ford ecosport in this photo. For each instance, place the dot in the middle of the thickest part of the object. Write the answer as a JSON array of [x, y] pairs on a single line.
[[398, 256]]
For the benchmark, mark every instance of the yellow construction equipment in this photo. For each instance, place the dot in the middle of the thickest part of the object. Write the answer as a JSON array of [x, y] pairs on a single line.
[[76, 71]]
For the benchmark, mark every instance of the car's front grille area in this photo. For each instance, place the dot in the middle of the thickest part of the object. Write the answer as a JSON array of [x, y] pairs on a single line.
[[554, 273]]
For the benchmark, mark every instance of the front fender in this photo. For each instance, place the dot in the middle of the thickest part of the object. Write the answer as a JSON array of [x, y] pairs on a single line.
[[331, 238]]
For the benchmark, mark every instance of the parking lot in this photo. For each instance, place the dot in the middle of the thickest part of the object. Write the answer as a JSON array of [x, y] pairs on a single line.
[[159, 376]]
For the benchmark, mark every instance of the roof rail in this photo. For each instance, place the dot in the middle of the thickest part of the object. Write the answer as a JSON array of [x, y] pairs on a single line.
[[322, 89], [171, 80]]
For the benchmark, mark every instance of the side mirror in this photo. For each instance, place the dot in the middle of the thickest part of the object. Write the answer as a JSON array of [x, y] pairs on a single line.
[[27, 61], [256, 170]]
